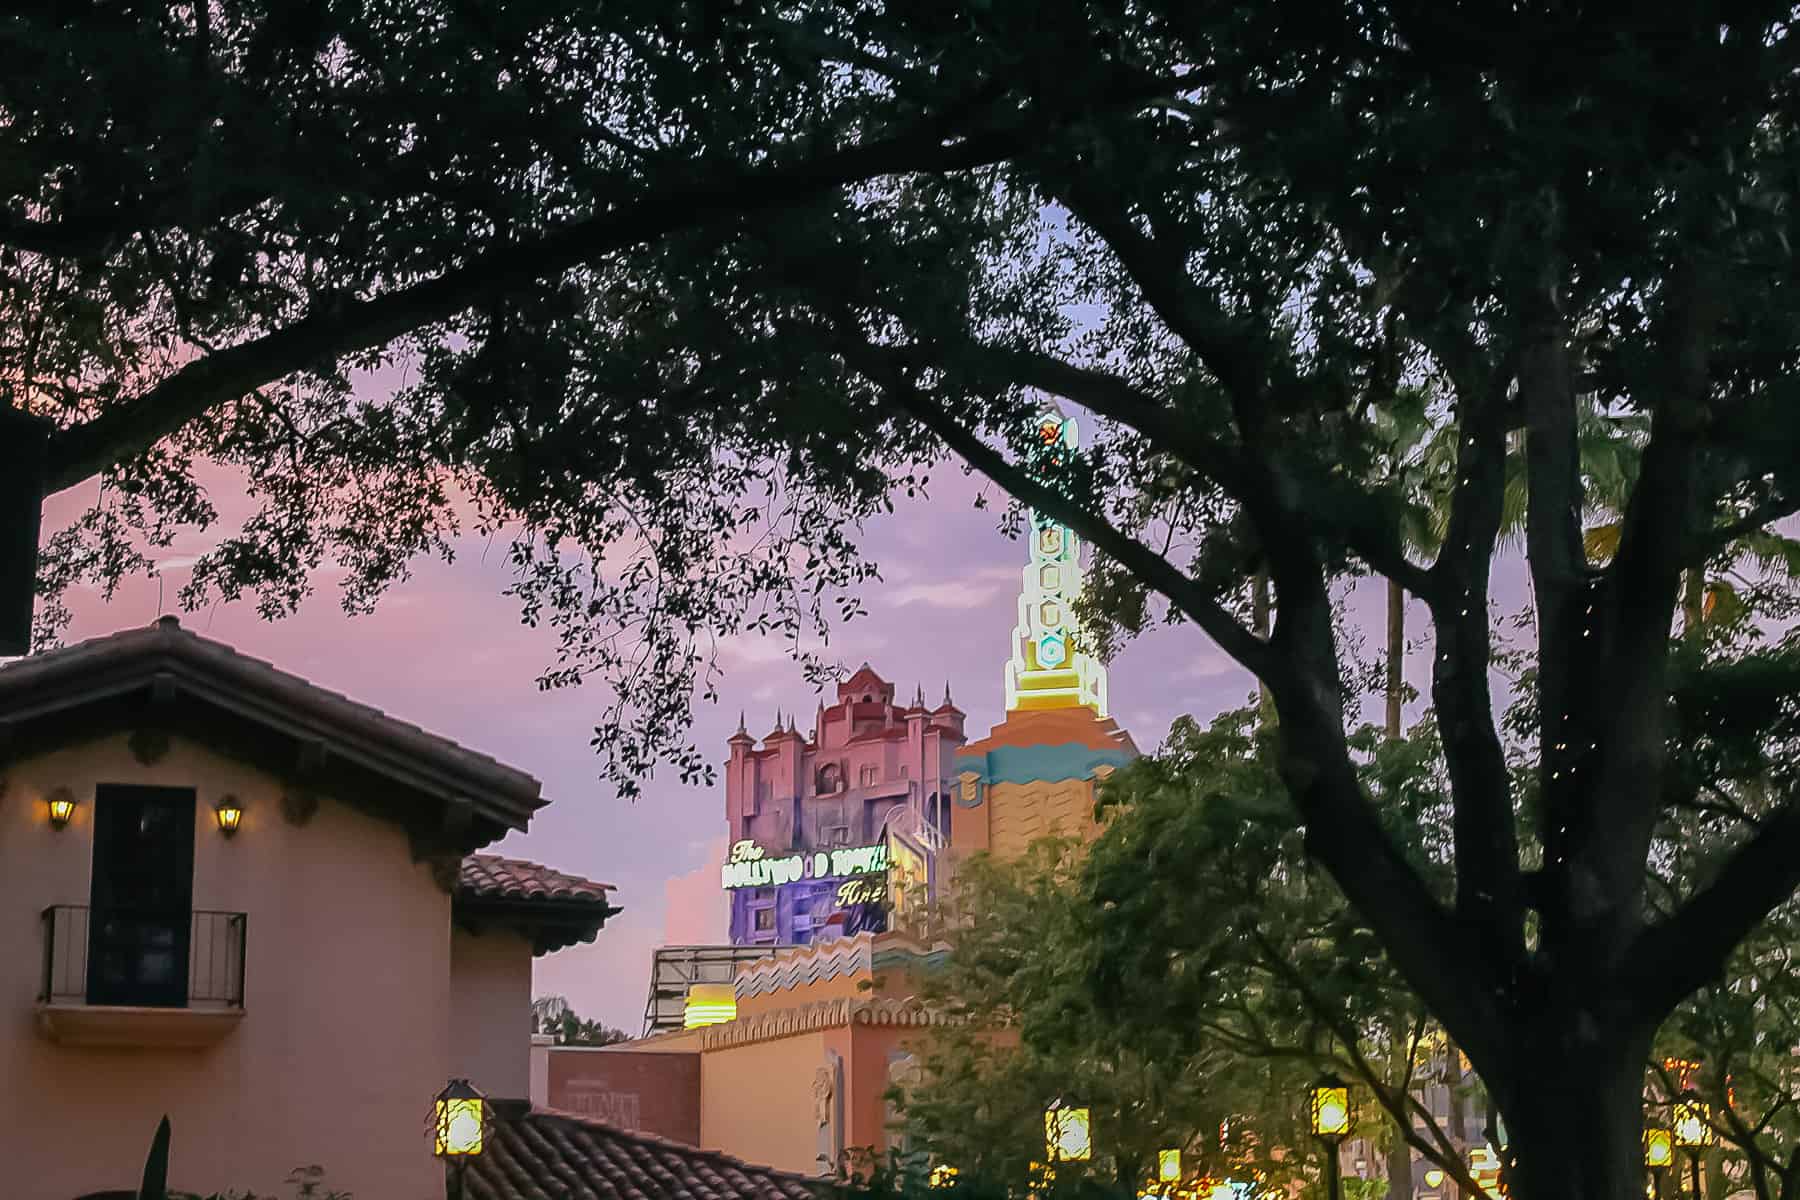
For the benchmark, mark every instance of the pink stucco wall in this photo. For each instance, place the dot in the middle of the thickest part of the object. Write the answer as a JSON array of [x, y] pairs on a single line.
[[490, 1011], [347, 1015]]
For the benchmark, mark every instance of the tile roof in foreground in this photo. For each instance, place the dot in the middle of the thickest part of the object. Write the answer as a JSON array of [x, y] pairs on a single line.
[[550, 1155]]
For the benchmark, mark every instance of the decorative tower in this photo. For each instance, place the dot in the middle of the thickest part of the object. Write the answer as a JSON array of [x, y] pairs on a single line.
[[1046, 670], [1036, 773]]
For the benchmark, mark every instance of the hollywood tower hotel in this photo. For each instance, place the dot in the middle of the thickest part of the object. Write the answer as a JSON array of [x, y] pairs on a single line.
[[839, 833], [833, 833]]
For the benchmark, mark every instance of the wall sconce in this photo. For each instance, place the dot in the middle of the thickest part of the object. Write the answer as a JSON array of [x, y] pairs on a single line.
[[230, 813], [61, 803]]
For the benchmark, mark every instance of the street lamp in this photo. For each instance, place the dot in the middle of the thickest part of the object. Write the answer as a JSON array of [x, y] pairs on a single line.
[[1659, 1156], [459, 1131], [1068, 1133], [1693, 1133], [1331, 1115]]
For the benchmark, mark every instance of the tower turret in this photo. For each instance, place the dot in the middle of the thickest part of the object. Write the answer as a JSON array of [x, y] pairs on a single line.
[[1045, 669]]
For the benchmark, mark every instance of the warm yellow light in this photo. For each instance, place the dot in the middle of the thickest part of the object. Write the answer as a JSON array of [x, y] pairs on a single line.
[[1692, 1131], [1222, 1190], [942, 1177], [1659, 1148], [1330, 1109], [230, 814], [709, 1004], [459, 1121], [1434, 1178], [1168, 1166], [62, 807], [1068, 1135]]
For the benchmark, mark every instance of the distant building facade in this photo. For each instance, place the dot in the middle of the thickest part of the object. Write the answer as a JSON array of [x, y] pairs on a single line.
[[832, 834]]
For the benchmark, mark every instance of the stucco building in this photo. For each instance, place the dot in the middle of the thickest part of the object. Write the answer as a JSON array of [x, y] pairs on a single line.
[[257, 906]]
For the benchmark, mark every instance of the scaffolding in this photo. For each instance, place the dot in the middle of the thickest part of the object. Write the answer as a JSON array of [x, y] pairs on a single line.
[[675, 969]]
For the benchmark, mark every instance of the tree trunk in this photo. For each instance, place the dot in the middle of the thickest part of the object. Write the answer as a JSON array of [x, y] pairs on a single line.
[[1399, 1169], [1574, 1112], [1455, 1077]]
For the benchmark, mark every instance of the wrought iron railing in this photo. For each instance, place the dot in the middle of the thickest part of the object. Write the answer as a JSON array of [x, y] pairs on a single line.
[[210, 957]]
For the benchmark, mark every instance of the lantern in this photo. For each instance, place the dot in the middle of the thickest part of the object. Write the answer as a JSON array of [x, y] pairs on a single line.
[[1692, 1128], [61, 804], [1330, 1110], [459, 1121], [1168, 1166], [230, 814], [1659, 1149], [1068, 1133]]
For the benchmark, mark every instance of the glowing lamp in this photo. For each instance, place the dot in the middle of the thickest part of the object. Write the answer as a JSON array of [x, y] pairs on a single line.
[[230, 814], [709, 1004], [1330, 1110], [61, 803], [459, 1121], [943, 1176], [1659, 1148], [1068, 1134], [1168, 1166], [1692, 1129]]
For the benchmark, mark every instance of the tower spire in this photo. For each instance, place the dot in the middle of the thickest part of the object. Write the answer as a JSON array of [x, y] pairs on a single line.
[[1045, 669]]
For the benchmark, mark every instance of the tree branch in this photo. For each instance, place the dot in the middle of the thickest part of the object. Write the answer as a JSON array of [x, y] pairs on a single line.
[[1218, 624], [346, 327], [1668, 960], [1489, 889]]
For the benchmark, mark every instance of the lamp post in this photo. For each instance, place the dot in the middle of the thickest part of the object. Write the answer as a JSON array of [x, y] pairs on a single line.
[[1330, 1113], [1659, 1156], [1693, 1133], [459, 1120], [1068, 1133]]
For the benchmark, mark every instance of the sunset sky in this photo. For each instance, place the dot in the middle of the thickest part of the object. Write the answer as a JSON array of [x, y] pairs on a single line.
[[447, 651]]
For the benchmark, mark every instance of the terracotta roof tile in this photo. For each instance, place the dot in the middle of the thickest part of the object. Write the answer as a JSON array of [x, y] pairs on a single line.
[[549, 1155], [492, 877]]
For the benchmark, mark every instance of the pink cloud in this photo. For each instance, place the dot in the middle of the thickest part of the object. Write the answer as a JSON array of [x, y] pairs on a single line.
[[695, 912]]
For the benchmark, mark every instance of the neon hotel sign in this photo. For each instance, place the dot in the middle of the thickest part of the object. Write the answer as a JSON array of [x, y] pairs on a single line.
[[751, 867]]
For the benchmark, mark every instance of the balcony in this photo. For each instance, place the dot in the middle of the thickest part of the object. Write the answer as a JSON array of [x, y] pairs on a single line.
[[115, 977]]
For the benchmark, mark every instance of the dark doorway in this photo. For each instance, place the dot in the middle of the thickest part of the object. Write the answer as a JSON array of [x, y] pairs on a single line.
[[142, 900]]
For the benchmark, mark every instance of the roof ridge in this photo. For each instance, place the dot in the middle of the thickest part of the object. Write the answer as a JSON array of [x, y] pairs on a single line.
[[657, 1140], [166, 646]]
